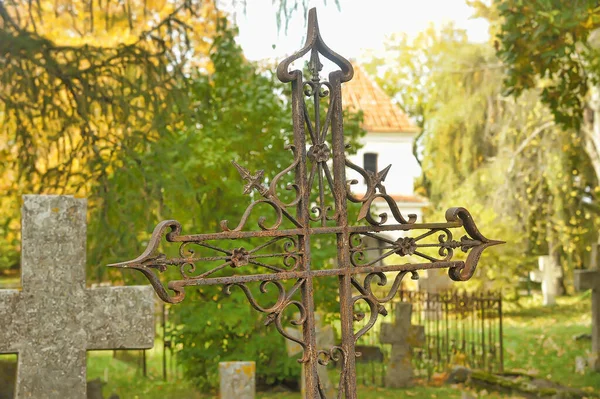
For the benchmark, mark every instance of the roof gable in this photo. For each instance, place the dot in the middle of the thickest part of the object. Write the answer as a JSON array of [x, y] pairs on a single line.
[[380, 114]]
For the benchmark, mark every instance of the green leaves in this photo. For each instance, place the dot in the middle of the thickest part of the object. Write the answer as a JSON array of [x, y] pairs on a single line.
[[187, 175], [547, 41], [508, 160]]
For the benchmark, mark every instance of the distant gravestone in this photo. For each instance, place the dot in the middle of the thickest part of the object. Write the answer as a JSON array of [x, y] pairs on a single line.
[[237, 380], [403, 336], [548, 274], [435, 282], [54, 319], [325, 341], [590, 280]]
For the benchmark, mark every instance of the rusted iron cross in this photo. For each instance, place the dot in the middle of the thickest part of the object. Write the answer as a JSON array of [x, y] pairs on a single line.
[[280, 254]]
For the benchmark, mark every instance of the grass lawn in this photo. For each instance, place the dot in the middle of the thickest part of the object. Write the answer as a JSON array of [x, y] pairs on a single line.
[[540, 341], [537, 340]]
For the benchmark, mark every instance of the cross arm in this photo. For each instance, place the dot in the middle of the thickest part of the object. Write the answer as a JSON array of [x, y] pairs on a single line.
[[9, 314], [587, 279], [151, 260], [111, 322]]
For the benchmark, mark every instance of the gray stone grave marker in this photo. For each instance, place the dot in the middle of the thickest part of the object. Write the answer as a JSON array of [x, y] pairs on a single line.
[[403, 336], [586, 280], [54, 319], [436, 281], [325, 340], [548, 274], [237, 380]]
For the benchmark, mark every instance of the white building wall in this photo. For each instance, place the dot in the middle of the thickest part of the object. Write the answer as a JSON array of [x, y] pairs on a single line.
[[394, 149]]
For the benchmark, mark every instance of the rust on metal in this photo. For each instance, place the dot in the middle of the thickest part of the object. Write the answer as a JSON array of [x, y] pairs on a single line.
[[309, 200]]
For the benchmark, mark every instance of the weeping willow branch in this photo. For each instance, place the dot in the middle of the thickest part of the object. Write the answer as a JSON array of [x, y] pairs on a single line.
[[67, 110]]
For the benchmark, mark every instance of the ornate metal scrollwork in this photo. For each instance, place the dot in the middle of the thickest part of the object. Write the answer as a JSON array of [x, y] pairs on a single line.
[[318, 207]]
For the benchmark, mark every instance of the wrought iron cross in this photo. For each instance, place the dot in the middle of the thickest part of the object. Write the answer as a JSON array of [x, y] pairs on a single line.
[[320, 198]]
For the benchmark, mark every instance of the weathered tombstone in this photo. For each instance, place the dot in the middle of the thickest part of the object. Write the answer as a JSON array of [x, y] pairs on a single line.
[[403, 336], [54, 319], [548, 274], [434, 283], [586, 280], [325, 340], [237, 380]]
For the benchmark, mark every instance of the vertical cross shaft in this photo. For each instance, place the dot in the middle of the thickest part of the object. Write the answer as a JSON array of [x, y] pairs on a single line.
[[308, 331], [343, 238], [586, 280]]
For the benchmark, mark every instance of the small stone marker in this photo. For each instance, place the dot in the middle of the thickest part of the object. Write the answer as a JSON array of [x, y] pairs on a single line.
[[586, 280], [548, 274], [54, 319], [403, 336], [237, 380], [325, 340]]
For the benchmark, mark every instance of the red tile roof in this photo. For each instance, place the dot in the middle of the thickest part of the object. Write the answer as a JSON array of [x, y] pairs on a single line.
[[379, 112]]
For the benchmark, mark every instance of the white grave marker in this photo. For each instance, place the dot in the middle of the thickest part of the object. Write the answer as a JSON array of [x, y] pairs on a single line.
[[548, 274]]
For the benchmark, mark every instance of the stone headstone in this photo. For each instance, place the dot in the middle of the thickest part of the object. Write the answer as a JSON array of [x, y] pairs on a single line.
[[54, 319], [369, 354], [581, 364], [458, 375], [548, 274], [434, 282], [237, 380], [94, 389], [403, 336], [325, 340], [590, 280]]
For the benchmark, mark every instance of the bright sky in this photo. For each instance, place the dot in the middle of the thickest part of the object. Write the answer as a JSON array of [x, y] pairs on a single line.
[[356, 27]]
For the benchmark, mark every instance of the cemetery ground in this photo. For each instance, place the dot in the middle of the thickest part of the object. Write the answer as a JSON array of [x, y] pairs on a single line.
[[537, 340]]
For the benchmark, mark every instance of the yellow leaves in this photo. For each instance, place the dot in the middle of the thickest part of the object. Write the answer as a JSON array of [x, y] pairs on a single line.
[[109, 24]]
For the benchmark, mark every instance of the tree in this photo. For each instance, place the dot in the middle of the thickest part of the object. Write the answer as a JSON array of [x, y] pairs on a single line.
[[552, 45], [548, 41], [529, 178], [240, 114], [81, 82], [84, 82]]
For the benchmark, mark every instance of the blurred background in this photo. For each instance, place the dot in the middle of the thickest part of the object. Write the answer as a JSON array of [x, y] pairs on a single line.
[[494, 105]]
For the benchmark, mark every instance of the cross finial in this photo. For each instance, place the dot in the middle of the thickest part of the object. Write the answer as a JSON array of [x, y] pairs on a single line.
[[314, 42], [254, 180], [315, 66]]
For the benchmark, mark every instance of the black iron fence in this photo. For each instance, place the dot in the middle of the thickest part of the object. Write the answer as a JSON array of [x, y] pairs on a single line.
[[460, 328]]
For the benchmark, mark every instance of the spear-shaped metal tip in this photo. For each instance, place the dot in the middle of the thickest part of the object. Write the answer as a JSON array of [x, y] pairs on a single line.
[[121, 265], [245, 173], [383, 173]]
